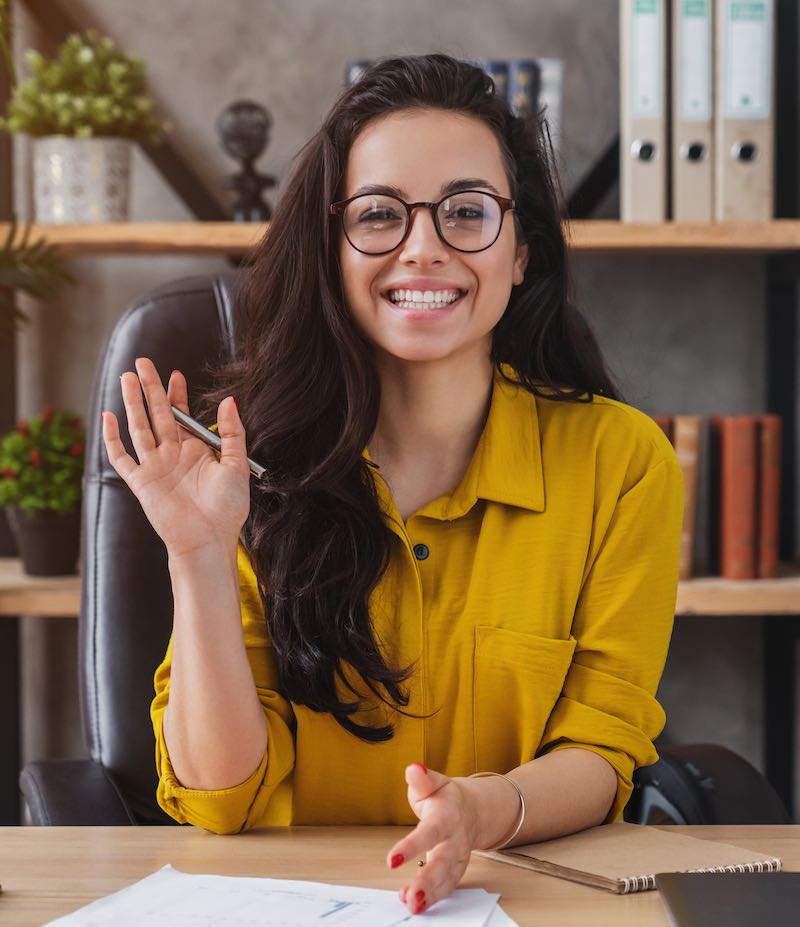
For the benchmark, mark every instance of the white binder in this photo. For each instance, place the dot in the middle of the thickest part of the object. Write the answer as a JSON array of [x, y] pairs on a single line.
[[744, 111], [643, 130], [692, 111]]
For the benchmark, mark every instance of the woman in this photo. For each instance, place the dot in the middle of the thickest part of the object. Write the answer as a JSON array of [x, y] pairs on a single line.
[[465, 545]]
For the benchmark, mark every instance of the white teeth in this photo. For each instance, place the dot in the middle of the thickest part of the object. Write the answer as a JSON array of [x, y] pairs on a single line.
[[417, 299]]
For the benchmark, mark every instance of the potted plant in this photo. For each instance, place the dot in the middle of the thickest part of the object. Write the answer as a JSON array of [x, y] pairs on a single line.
[[41, 469], [29, 267], [84, 109]]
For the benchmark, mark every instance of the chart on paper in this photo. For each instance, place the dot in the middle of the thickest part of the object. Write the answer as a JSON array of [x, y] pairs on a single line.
[[170, 898]]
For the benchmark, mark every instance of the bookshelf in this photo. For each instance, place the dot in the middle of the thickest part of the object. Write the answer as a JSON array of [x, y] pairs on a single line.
[[59, 596], [592, 236], [49, 596]]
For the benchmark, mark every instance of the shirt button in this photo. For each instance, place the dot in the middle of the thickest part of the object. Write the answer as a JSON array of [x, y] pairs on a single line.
[[421, 551]]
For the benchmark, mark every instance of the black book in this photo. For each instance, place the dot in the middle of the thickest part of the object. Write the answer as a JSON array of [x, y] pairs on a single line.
[[731, 899]]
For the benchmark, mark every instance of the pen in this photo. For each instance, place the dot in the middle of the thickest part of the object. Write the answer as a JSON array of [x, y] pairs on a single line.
[[199, 431]]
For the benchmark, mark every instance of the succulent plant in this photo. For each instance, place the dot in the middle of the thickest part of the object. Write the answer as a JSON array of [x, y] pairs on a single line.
[[90, 89]]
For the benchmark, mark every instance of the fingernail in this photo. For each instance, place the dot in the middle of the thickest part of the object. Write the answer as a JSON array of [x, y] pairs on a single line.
[[422, 767], [173, 373], [397, 860], [421, 902], [103, 417]]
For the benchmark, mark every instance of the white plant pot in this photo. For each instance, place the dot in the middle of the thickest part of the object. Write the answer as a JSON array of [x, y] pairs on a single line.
[[81, 179]]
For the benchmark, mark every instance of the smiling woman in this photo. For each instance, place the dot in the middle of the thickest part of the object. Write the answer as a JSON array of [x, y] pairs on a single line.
[[448, 601]]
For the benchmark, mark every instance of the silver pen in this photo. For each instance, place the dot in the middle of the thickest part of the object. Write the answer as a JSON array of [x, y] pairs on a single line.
[[212, 440]]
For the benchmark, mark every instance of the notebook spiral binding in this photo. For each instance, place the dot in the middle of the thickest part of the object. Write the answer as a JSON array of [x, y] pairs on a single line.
[[644, 882]]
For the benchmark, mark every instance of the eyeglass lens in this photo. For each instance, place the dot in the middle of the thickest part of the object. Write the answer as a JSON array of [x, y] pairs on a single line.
[[468, 221]]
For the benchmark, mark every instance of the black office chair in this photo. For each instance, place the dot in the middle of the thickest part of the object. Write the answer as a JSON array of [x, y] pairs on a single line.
[[703, 784], [126, 598], [126, 605]]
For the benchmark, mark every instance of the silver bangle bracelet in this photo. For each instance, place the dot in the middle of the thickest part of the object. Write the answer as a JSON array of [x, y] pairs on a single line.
[[505, 842]]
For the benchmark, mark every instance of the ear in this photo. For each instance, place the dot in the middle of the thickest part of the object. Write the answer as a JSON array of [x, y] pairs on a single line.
[[520, 263]]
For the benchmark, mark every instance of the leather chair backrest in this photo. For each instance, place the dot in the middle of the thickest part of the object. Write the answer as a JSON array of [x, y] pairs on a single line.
[[126, 598]]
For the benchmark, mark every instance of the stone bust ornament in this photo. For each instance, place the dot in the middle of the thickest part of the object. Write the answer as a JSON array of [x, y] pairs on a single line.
[[244, 129]]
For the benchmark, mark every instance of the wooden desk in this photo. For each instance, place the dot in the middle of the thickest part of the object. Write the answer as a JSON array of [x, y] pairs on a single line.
[[49, 871]]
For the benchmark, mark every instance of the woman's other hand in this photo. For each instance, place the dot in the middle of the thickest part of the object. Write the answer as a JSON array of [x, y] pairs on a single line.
[[446, 834], [192, 499]]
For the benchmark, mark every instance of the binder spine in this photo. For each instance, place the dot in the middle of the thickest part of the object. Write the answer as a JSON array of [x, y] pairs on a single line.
[[644, 883]]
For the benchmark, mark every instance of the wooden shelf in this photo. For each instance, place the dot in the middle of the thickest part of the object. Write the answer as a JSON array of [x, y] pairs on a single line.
[[599, 236], [713, 595], [57, 596], [704, 595], [592, 236]]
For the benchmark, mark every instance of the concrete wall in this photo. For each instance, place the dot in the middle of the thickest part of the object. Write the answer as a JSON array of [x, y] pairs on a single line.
[[682, 334]]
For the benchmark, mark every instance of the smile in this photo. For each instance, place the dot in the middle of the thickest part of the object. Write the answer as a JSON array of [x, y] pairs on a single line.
[[423, 299]]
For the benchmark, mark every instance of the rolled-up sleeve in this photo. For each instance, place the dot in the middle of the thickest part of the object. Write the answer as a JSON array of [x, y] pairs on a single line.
[[622, 624], [265, 796]]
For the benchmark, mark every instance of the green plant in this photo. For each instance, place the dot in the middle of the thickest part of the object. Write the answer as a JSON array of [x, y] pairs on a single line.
[[41, 462], [32, 268], [90, 89]]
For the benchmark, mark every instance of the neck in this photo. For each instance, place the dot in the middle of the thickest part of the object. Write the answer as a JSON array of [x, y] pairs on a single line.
[[431, 413]]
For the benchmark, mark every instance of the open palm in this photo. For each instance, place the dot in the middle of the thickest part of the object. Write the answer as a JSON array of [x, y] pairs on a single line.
[[191, 498]]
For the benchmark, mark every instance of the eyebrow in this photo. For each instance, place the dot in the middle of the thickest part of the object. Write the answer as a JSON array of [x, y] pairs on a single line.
[[452, 186]]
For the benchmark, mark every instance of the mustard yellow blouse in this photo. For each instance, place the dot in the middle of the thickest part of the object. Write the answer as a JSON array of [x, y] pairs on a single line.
[[536, 603]]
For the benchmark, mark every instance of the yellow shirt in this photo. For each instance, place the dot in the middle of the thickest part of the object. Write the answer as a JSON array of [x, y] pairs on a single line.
[[536, 603]]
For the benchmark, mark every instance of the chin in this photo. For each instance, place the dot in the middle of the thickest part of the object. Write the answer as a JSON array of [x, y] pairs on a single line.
[[422, 353]]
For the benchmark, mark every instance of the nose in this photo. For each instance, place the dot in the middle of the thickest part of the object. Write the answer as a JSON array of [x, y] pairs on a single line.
[[423, 245]]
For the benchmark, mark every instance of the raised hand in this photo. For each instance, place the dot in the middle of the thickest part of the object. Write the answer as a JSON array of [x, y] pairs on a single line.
[[191, 498]]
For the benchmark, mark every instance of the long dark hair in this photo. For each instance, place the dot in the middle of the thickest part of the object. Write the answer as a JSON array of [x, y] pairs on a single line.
[[309, 394]]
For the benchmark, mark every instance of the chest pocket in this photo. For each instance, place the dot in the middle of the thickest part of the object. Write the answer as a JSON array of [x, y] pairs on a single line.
[[517, 681]]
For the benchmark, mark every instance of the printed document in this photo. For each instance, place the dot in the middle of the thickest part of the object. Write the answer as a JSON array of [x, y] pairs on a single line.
[[170, 898]]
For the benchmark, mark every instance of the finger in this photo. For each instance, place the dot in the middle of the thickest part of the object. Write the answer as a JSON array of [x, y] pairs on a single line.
[[178, 396], [162, 421], [178, 391], [231, 432], [139, 428], [445, 866], [118, 457], [426, 835], [423, 782]]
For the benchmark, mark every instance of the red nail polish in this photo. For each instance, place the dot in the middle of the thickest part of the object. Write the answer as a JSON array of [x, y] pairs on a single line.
[[421, 902], [397, 860], [422, 767]]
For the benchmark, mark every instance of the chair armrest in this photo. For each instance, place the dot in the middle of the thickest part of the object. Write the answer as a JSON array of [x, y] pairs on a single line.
[[72, 792]]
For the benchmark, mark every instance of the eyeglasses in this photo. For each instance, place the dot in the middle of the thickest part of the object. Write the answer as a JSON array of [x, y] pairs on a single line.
[[468, 221]]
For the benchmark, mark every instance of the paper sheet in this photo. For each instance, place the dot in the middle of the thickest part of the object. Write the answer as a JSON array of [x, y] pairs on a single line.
[[170, 898]]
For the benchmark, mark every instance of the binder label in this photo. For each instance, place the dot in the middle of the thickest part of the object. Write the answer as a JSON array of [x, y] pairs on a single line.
[[695, 63], [748, 66], [646, 27]]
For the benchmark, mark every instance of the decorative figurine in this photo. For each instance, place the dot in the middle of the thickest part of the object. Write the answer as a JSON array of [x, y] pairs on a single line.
[[243, 129]]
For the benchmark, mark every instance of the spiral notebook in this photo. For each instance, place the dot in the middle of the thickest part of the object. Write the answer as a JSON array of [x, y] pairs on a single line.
[[624, 858]]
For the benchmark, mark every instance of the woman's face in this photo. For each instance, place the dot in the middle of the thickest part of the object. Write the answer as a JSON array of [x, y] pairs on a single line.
[[420, 153]]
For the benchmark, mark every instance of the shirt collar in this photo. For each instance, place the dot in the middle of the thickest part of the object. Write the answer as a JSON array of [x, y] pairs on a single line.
[[507, 464]]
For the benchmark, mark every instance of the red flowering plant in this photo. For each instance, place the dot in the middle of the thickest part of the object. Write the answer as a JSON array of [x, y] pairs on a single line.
[[41, 462]]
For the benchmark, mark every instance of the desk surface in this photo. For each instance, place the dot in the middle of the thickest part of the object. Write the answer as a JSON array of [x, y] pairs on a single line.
[[49, 871]]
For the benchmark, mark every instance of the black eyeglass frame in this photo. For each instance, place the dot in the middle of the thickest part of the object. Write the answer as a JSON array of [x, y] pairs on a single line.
[[505, 204]]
